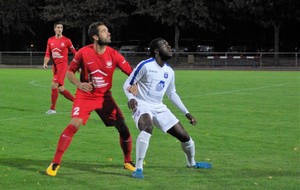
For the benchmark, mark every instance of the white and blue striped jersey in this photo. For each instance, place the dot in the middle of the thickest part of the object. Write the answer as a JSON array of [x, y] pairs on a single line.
[[153, 82]]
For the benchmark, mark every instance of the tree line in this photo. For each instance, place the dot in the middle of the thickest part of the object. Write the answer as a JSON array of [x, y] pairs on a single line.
[[19, 17]]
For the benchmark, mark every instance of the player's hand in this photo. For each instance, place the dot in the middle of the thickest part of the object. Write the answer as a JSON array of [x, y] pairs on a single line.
[[133, 89], [132, 104], [45, 66], [85, 86], [191, 118]]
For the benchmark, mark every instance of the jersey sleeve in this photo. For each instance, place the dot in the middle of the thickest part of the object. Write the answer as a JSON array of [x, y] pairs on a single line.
[[77, 64], [174, 97], [71, 47], [48, 51], [74, 65], [133, 78], [122, 63]]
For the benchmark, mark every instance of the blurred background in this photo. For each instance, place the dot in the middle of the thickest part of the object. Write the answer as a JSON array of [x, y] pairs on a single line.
[[188, 25]]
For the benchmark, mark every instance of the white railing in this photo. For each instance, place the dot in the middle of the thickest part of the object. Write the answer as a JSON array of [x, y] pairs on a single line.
[[201, 59]]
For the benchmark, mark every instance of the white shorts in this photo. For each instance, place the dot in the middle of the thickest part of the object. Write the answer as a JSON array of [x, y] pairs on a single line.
[[162, 118]]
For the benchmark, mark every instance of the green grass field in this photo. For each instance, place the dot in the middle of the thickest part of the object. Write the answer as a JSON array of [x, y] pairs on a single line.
[[248, 128]]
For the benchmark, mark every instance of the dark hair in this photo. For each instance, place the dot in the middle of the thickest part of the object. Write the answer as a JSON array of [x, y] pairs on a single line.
[[93, 29], [154, 45], [57, 23]]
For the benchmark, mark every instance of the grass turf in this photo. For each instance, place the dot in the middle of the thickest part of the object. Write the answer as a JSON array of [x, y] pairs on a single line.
[[248, 128]]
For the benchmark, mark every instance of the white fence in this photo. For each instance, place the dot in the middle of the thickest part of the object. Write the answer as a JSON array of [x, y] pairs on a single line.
[[182, 59]]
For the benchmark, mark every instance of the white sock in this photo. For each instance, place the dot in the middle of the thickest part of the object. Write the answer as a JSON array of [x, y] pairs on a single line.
[[142, 143], [189, 150]]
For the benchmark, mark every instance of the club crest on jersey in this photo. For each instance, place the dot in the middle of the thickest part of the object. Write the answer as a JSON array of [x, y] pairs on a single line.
[[62, 44], [108, 64], [166, 75], [160, 86]]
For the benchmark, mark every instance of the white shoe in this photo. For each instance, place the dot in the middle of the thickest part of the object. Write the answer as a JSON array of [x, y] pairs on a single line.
[[50, 111]]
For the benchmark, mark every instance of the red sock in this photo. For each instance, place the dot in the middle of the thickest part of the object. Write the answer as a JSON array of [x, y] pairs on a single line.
[[64, 142], [126, 146], [54, 96], [67, 95]]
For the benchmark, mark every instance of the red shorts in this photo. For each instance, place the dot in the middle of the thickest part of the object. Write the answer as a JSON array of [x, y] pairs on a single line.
[[105, 107], [59, 73]]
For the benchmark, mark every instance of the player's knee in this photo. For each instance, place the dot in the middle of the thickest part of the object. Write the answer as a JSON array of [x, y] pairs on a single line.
[[61, 89], [54, 85], [147, 127], [76, 122], [145, 121], [185, 138]]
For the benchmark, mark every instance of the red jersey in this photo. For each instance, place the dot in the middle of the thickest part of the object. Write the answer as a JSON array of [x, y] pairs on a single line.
[[58, 49], [98, 68]]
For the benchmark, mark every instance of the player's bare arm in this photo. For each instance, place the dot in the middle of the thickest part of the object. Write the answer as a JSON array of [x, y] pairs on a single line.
[[46, 61]]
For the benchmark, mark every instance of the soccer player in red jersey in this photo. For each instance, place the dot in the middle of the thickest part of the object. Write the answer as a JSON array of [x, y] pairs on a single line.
[[58, 47], [96, 63]]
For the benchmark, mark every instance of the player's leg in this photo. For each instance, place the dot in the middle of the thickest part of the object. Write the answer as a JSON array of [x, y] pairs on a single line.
[[61, 75], [54, 96], [80, 115], [54, 91], [187, 143], [64, 142], [168, 123], [145, 126], [111, 115], [126, 144], [63, 91], [188, 146]]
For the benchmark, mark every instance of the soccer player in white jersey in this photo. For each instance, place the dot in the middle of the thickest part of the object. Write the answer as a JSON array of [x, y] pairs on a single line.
[[154, 78]]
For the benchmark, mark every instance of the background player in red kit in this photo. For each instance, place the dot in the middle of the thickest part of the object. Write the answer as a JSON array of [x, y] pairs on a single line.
[[96, 63], [57, 47]]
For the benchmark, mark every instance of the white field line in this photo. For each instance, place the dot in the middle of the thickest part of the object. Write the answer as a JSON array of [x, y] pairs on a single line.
[[35, 83], [225, 92], [239, 90]]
